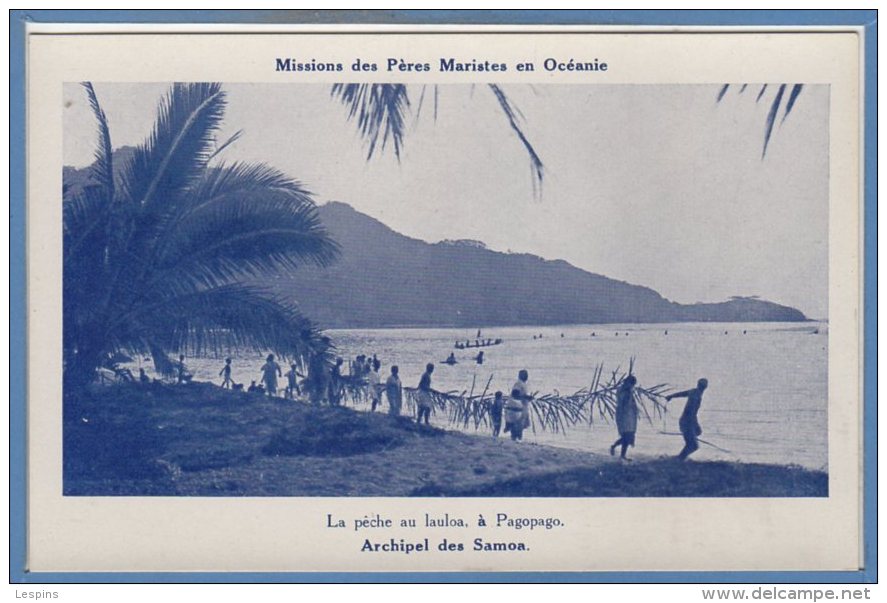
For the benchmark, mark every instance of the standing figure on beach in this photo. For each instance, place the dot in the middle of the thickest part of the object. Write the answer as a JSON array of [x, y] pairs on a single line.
[[225, 373], [270, 372], [689, 422], [336, 384], [496, 413], [518, 419], [480, 357], [181, 370], [394, 392], [317, 378], [423, 398], [292, 383], [626, 416], [373, 391]]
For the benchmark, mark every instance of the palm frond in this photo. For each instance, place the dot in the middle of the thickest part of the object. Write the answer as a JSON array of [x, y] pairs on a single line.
[[380, 110], [215, 320], [234, 138], [792, 97], [512, 113], [761, 92], [242, 234], [771, 118], [102, 170], [179, 146]]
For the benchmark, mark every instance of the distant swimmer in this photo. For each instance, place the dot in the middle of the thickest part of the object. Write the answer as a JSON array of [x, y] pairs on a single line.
[[479, 358], [626, 416], [689, 421], [666, 331], [451, 359]]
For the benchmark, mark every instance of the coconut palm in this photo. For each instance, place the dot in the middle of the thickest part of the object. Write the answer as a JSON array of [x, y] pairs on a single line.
[[158, 253]]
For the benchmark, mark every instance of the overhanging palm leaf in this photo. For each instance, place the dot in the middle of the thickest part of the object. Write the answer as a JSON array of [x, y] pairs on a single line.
[[381, 111], [774, 106]]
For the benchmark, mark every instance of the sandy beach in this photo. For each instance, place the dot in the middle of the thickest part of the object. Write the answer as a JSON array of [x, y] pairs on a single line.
[[201, 440]]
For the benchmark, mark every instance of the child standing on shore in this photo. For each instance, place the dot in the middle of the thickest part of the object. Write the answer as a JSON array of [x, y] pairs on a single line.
[[496, 413], [225, 373], [292, 383]]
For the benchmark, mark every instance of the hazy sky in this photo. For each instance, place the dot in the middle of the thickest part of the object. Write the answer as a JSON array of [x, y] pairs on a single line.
[[654, 185]]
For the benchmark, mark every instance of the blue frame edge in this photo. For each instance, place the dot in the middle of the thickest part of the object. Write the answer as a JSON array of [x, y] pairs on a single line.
[[17, 301]]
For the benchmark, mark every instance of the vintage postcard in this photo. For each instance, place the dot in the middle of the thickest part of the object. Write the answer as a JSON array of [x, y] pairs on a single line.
[[440, 298]]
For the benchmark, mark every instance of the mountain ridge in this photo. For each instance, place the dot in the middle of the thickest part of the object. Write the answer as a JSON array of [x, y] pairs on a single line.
[[386, 279]]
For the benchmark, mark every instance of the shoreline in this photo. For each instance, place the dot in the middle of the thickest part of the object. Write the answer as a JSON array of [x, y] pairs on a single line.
[[201, 440]]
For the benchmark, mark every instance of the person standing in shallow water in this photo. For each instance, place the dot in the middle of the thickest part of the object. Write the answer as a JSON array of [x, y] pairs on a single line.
[[394, 392], [689, 422], [423, 397], [270, 372], [626, 416]]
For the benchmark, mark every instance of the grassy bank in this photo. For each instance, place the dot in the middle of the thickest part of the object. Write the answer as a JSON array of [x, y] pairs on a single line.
[[200, 440]]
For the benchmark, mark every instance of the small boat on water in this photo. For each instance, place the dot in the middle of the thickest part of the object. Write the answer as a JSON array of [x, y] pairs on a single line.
[[477, 343]]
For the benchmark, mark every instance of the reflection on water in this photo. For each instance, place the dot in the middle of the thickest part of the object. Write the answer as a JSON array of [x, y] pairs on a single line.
[[766, 401]]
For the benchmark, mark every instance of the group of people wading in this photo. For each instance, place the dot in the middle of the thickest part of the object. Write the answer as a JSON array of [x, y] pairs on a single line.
[[326, 384], [627, 417]]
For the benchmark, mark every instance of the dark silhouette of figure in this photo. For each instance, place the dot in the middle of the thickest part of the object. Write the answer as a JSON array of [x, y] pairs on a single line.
[[394, 392], [336, 385], [451, 359], [252, 387], [318, 382], [292, 383], [626, 416], [143, 376], [182, 374], [270, 372], [423, 399], [479, 358], [225, 373], [689, 422], [496, 413]]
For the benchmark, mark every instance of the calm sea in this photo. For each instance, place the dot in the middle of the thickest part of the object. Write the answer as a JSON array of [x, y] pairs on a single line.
[[766, 401]]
